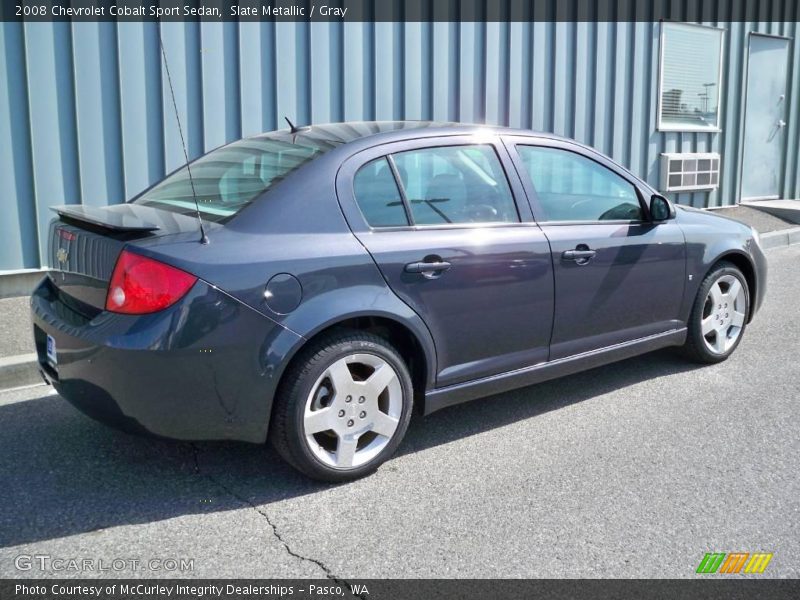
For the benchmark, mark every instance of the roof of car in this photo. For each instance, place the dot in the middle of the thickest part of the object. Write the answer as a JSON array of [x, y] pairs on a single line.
[[376, 132]]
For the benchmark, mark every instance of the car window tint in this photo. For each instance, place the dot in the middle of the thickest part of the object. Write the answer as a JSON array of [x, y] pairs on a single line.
[[227, 179], [571, 187], [377, 195], [456, 184]]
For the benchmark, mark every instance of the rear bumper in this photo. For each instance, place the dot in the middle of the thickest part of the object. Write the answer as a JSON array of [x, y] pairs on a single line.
[[203, 369]]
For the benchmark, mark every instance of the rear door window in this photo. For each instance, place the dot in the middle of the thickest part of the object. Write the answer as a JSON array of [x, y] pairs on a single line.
[[378, 196], [455, 184]]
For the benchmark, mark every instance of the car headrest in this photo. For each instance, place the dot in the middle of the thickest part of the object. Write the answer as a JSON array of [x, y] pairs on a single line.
[[447, 186], [240, 188]]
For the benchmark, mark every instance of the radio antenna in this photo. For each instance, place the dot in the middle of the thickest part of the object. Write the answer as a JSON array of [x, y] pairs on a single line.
[[203, 236], [292, 127]]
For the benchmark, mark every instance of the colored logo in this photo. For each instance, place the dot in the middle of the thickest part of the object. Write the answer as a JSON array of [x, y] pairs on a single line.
[[734, 562]]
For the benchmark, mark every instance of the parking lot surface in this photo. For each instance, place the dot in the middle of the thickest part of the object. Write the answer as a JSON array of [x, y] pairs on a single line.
[[635, 469]]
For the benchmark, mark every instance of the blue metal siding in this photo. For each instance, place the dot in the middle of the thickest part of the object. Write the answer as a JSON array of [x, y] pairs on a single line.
[[86, 115], [18, 230]]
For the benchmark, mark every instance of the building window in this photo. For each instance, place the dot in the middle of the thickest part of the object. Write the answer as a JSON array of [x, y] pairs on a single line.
[[691, 77]]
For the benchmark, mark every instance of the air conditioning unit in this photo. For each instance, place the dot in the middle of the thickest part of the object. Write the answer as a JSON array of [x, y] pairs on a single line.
[[689, 171]]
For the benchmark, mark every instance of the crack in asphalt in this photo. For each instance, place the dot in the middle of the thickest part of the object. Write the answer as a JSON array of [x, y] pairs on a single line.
[[328, 573]]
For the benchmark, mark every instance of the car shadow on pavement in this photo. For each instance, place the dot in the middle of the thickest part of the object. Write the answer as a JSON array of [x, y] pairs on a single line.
[[63, 474], [496, 411]]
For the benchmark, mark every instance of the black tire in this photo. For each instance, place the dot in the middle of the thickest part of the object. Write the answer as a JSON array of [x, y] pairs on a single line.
[[286, 427], [695, 347]]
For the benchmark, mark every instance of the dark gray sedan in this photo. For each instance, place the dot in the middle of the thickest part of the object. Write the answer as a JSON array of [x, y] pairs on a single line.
[[347, 273]]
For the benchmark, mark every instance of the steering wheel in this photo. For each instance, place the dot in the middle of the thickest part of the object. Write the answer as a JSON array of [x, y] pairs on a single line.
[[579, 203]]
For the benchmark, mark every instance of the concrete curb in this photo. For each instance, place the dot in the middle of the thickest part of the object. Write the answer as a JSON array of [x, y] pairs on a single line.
[[16, 371], [782, 237], [20, 283]]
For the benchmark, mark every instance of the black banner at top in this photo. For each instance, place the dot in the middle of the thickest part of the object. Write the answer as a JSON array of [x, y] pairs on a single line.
[[720, 11]]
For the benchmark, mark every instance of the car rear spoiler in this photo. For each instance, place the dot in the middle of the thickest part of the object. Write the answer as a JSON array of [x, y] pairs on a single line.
[[120, 218]]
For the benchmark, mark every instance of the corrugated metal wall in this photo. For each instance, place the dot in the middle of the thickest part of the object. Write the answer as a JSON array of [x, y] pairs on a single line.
[[86, 116]]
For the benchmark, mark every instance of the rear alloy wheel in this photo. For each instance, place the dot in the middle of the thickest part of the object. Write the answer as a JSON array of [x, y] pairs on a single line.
[[719, 315], [344, 409]]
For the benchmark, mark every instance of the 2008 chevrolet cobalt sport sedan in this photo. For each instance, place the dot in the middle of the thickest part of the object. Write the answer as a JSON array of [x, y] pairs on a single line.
[[350, 272]]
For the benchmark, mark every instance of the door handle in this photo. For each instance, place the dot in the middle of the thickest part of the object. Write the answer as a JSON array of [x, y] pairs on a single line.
[[428, 268], [579, 255]]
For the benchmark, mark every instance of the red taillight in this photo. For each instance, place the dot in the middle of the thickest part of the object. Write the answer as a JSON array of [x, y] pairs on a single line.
[[142, 285]]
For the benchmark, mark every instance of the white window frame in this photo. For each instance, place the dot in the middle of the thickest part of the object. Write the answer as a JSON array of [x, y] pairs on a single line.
[[661, 126]]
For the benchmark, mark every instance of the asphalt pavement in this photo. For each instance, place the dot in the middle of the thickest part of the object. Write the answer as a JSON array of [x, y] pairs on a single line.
[[16, 329], [630, 470]]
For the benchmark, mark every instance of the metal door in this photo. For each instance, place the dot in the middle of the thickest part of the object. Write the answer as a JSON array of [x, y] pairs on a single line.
[[765, 117]]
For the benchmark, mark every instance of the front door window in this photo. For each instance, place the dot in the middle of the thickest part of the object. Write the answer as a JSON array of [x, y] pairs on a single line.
[[571, 187]]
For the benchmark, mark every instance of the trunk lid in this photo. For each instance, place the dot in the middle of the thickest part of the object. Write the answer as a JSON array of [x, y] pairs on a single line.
[[85, 241]]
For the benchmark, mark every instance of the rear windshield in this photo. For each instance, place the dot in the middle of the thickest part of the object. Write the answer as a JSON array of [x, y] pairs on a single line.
[[229, 178]]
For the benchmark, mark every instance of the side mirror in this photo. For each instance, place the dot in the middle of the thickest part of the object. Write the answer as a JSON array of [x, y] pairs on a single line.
[[660, 208]]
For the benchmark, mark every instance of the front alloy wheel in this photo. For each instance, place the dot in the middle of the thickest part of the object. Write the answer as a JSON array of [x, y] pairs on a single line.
[[343, 406], [719, 315], [724, 314]]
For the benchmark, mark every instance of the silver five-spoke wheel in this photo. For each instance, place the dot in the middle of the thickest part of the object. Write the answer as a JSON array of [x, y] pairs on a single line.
[[352, 411], [343, 407], [723, 314]]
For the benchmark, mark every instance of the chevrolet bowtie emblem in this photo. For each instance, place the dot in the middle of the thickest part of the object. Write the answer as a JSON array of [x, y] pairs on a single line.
[[62, 255]]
